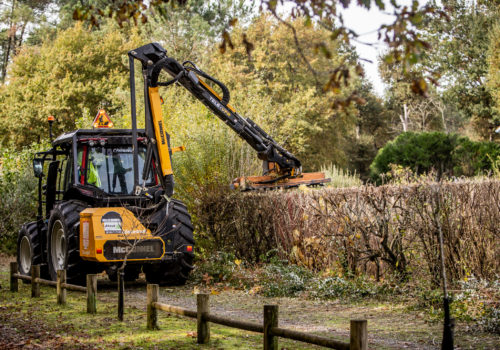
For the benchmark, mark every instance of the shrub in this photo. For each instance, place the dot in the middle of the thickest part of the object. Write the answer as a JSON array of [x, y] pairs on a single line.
[[380, 231], [217, 268], [418, 151], [447, 154], [281, 279], [18, 194], [478, 301], [344, 287], [473, 158], [475, 302]]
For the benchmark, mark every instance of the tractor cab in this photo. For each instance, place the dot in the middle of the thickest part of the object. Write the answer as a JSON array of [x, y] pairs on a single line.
[[93, 166]]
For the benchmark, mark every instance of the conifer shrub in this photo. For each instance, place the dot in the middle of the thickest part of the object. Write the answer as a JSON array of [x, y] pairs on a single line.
[[447, 154]]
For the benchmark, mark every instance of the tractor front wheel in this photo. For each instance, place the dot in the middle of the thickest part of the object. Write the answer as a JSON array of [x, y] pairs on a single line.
[[63, 243]]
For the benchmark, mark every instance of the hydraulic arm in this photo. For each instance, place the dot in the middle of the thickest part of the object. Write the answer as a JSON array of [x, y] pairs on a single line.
[[280, 167]]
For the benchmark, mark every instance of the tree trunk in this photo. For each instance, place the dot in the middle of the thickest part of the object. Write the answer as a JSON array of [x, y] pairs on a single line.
[[10, 41]]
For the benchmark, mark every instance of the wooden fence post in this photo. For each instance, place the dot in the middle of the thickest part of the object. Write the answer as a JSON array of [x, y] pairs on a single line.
[[91, 294], [270, 321], [359, 335], [35, 285], [61, 291], [202, 308], [121, 293], [153, 291], [14, 284]]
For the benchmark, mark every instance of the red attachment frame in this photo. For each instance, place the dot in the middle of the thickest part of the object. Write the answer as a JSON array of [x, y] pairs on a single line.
[[104, 138], [154, 172], [83, 169]]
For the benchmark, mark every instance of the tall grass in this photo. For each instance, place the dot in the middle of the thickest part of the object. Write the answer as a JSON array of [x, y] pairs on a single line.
[[340, 177]]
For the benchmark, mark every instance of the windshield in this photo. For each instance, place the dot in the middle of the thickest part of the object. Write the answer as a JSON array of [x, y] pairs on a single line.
[[111, 168]]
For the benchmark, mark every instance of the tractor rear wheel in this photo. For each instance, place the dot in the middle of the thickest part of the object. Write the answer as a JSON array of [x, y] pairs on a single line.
[[29, 250], [175, 225], [63, 246]]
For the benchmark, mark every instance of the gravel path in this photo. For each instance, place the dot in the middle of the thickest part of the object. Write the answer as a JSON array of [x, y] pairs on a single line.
[[327, 318]]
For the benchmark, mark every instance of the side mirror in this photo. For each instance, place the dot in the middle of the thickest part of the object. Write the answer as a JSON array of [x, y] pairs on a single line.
[[38, 167]]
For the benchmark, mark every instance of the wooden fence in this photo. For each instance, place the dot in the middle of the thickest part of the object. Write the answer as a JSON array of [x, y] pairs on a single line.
[[60, 284], [270, 328]]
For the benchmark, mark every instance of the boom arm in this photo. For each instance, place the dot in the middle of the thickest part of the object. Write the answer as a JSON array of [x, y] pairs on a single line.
[[277, 161]]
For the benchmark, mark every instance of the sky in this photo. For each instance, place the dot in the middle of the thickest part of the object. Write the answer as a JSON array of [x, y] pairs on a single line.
[[365, 23]]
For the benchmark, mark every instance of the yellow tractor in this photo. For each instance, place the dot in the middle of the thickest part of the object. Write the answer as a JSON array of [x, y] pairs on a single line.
[[108, 192]]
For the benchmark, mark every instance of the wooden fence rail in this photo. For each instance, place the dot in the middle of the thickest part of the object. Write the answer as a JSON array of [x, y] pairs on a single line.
[[60, 284], [270, 329]]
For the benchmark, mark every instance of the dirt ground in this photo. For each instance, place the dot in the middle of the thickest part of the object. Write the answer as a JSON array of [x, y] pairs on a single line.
[[28, 324]]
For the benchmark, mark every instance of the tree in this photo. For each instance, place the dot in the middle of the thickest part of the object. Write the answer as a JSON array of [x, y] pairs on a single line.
[[373, 130], [70, 78], [459, 53], [402, 36], [297, 114], [16, 18], [493, 81], [188, 30], [411, 112]]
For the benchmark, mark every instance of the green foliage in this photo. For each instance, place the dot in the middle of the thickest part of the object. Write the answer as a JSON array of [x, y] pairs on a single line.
[[287, 98], [460, 62], [18, 189], [448, 154], [349, 288], [217, 268], [474, 302], [402, 37], [70, 78], [460, 57], [18, 18], [188, 30], [475, 158], [418, 151], [494, 70], [281, 278], [214, 154], [373, 130]]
